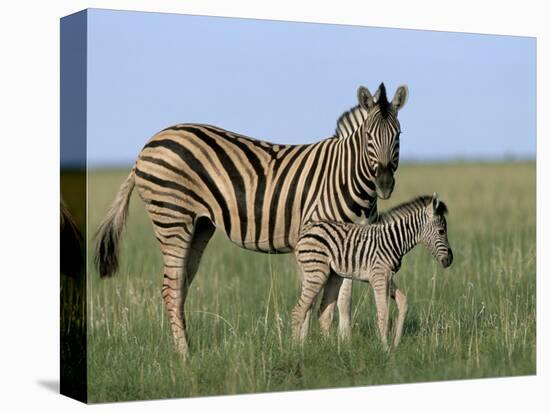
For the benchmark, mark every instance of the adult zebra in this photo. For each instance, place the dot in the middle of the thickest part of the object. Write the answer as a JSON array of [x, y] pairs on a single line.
[[195, 178]]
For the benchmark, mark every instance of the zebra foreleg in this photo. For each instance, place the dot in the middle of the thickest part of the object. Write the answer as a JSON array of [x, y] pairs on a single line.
[[402, 307]]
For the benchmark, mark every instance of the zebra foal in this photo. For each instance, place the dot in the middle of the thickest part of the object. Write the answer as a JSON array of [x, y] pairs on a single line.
[[327, 251]]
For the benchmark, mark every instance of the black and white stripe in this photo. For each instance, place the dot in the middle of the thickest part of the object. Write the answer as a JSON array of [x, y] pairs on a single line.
[[328, 251], [194, 178]]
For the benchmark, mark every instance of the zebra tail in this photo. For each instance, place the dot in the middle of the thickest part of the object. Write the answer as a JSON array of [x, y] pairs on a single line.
[[109, 231]]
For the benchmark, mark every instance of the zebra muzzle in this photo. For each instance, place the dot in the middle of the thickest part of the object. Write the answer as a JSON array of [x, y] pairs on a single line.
[[448, 259], [384, 184]]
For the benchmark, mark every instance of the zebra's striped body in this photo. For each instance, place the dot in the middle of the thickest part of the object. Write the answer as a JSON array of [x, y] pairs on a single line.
[[370, 253], [195, 178]]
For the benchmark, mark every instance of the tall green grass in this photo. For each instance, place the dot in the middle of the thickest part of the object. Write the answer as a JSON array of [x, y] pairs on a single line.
[[476, 319]]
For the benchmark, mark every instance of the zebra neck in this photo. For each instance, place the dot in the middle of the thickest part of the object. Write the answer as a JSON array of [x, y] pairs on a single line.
[[356, 177], [348, 193], [338, 200], [408, 231], [350, 185]]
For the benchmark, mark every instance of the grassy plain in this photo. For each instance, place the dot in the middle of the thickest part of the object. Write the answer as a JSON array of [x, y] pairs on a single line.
[[474, 320]]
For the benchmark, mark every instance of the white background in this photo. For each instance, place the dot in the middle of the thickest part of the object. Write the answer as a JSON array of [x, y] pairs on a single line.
[[29, 208]]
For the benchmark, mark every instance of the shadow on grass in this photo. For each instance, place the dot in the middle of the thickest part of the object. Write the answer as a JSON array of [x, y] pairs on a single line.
[[412, 326]]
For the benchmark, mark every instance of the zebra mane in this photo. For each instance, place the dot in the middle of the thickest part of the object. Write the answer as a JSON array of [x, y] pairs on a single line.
[[350, 120], [407, 208], [383, 102]]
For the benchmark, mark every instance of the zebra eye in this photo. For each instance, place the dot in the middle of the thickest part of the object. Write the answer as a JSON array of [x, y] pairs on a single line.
[[441, 231]]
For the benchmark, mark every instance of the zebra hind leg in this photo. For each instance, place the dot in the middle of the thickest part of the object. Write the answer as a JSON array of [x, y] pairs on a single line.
[[344, 309], [328, 303], [313, 280], [182, 250], [204, 229], [305, 326]]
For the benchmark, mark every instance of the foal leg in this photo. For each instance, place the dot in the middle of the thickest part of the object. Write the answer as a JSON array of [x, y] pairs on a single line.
[[344, 309], [379, 283], [402, 307], [314, 278], [328, 302], [305, 325], [337, 292]]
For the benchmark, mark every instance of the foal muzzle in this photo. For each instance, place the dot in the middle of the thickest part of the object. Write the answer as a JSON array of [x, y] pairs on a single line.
[[448, 259]]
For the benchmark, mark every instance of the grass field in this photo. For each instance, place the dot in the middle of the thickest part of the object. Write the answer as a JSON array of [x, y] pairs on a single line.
[[475, 319]]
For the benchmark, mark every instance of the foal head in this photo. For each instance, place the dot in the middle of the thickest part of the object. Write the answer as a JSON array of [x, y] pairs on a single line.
[[434, 233]]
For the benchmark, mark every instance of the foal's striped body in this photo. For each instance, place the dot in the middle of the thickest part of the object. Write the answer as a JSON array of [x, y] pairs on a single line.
[[327, 251]]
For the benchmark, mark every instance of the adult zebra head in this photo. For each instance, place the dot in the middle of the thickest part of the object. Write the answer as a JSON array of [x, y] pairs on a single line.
[[381, 132]]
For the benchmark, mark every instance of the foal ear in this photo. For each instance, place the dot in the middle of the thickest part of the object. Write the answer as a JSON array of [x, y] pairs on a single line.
[[438, 206], [365, 98], [400, 98], [435, 203]]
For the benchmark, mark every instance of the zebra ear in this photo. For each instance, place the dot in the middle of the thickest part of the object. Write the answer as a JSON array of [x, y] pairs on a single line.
[[435, 203], [438, 206], [376, 96], [365, 98], [400, 98]]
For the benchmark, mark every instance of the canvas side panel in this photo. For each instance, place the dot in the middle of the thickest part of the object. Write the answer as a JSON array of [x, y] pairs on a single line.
[[73, 323]]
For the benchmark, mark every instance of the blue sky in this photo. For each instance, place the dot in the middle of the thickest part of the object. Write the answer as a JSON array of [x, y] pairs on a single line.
[[471, 96]]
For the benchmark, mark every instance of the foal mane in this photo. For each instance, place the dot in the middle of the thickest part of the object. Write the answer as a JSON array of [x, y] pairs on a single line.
[[408, 208]]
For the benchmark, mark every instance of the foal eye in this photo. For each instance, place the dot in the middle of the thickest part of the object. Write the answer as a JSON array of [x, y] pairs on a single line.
[[441, 231]]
